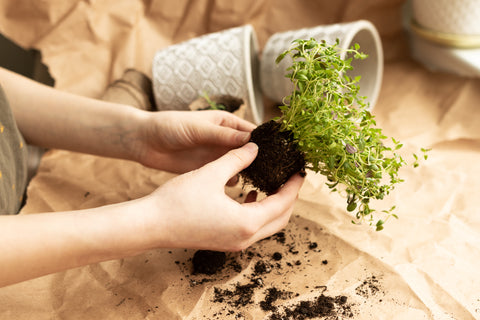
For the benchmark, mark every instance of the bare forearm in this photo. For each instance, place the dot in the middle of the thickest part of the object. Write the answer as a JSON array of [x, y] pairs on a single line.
[[54, 119], [34, 245]]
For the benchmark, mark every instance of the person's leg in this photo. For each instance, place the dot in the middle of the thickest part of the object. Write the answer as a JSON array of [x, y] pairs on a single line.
[[133, 88]]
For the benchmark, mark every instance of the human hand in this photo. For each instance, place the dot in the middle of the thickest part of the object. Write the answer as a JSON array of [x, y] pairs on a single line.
[[189, 211], [180, 141], [193, 211]]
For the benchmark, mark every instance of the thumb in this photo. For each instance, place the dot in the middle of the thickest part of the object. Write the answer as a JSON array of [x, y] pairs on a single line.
[[234, 161]]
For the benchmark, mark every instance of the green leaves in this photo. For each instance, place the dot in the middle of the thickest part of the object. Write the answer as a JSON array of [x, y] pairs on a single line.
[[280, 57], [212, 104], [333, 127], [379, 225]]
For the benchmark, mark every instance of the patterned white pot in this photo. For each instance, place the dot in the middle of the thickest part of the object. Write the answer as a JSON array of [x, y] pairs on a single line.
[[220, 63], [454, 24], [276, 86], [445, 34], [456, 17]]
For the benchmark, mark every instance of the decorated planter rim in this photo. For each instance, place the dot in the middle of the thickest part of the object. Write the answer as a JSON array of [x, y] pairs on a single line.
[[362, 32], [252, 66], [464, 41], [276, 86]]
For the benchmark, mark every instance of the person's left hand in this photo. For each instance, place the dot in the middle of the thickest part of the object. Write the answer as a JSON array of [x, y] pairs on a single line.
[[181, 141]]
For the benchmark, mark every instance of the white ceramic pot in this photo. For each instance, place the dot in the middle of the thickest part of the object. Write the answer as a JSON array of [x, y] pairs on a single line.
[[454, 24], [220, 63], [274, 84], [445, 34], [447, 16]]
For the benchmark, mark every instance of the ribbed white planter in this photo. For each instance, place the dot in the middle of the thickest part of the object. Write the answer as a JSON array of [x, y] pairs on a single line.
[[276, 86], [220, 63]]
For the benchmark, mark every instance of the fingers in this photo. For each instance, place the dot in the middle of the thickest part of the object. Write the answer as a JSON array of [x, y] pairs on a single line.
[[273, 226], [275, 204], [230, 120], [233, 162], [276, 209], [288, 192], [225, 129], [226, 136]]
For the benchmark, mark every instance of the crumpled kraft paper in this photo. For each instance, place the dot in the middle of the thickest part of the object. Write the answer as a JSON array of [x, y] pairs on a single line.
[[421, 266]]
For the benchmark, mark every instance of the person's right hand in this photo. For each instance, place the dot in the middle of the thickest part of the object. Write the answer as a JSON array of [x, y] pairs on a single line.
[[193, 211], [181, 141]]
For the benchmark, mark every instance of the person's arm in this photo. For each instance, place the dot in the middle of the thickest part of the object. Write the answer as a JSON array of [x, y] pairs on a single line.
[[34, 245], [189, 211], [51, 118]]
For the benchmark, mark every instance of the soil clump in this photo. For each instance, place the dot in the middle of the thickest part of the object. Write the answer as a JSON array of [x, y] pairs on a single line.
[[208, 262], [278, 158]]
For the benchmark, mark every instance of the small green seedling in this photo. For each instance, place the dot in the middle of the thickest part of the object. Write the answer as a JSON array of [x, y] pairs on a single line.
[[212, 104]]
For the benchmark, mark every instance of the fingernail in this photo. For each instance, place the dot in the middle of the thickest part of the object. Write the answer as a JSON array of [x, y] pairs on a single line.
[[251, 147], [243, 137]]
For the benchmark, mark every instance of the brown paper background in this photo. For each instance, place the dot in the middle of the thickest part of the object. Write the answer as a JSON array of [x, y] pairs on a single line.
[[426, 261]]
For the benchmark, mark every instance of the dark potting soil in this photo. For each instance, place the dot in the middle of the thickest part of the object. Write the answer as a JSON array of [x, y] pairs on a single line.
[[278, 158], [208, 262]]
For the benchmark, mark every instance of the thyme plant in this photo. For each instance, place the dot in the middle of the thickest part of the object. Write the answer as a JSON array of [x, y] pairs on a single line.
[[333, 127]]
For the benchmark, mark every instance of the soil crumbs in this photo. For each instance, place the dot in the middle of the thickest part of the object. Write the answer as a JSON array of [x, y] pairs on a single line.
[[241, 295], [277, 303]]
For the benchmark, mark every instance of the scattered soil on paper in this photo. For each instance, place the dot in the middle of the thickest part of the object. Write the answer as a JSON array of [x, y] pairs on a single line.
[[369, 287], [277, 302]]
